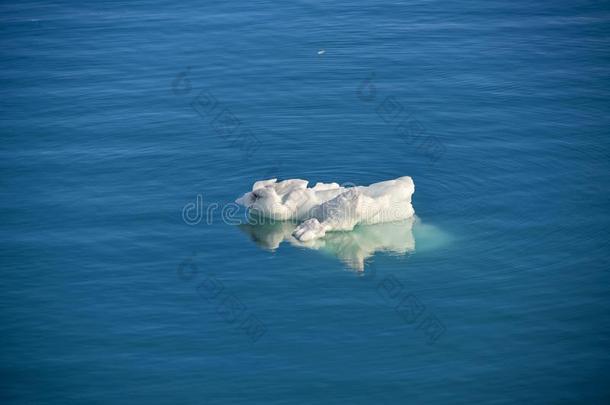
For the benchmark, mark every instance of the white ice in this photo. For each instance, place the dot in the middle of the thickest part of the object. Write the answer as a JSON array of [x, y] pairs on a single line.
[[330, 207]]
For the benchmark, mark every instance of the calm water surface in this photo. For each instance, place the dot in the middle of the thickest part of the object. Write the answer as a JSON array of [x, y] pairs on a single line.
[[500, 293]]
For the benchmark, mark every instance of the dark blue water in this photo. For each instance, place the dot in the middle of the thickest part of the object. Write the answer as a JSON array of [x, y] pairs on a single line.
[[115, 116]]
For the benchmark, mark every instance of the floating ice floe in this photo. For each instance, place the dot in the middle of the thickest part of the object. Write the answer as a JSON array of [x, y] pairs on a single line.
[[330, 207]]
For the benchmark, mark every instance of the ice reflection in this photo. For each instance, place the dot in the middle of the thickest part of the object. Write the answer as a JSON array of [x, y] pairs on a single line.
[[353, 248]]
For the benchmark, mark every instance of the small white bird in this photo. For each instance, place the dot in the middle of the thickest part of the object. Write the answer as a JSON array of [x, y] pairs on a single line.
[[321, 52]]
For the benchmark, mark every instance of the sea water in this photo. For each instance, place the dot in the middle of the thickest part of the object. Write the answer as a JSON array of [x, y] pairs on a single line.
[[129, 276]]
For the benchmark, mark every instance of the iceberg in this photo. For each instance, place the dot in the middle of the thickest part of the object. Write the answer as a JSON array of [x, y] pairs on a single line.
[[329, 207]]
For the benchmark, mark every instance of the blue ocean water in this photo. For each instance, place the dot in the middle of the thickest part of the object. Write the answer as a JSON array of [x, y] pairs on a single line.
[[115, 116]]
